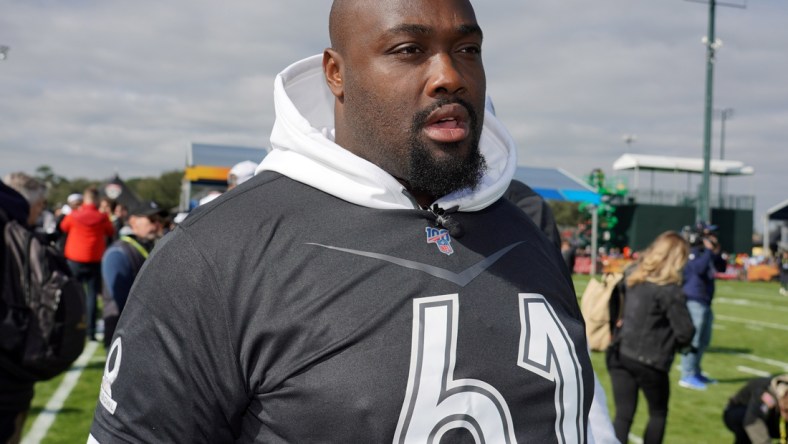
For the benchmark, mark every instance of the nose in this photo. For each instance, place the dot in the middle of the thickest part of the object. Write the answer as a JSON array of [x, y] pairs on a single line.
[[445, 78]]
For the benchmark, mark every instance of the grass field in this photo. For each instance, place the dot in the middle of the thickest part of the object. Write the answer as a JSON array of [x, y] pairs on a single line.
[[750, 338]]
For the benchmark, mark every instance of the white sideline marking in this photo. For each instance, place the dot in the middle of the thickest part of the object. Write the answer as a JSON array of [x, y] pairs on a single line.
[[731, 301], [752, 322], [752, 371], [772, 296], [774, 362], [44, 420]]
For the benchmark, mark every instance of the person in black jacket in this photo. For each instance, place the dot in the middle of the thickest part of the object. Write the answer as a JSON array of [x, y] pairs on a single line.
[[536, 208], [758, 412], [22, 202], [655, 324]]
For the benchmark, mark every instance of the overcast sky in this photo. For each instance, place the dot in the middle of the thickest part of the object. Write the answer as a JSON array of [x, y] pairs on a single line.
[[93, 87]]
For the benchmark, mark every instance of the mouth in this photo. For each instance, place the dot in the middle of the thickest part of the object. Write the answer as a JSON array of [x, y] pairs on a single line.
[[447, 124]]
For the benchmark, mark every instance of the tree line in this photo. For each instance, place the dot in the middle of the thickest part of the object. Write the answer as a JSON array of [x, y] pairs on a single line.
[[164, 190]]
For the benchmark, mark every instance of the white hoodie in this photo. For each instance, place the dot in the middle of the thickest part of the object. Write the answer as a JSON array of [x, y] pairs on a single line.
[[303, 149]]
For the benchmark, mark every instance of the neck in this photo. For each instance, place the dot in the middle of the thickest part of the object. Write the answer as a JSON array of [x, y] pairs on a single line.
[[423, 199]]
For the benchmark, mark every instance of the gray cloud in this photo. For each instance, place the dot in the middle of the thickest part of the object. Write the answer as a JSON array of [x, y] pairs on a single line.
[[90, 85]]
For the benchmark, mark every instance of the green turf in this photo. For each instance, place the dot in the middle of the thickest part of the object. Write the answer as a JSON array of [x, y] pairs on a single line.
[[73, 420], [694, 417]]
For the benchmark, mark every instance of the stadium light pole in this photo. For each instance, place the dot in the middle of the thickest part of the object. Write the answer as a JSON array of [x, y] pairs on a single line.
[[725, 114], [704, 209], [704, 212]]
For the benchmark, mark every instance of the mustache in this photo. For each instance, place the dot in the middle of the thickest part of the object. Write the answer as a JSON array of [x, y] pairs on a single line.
[[420, 119]]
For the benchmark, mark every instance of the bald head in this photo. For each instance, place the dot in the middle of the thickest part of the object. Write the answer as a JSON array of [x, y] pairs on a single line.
[[337, 23], [409, 85], [344, 13]]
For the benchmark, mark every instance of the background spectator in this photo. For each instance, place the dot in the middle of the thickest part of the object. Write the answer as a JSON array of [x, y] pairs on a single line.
[[755, 413], [120, 217], [240, 173], [16, 202], [33, 190], [123, 260], [87, 230], [704, 262], [655, 323]]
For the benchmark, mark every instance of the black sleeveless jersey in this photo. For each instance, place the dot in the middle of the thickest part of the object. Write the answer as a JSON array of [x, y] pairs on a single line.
[[279, 313]]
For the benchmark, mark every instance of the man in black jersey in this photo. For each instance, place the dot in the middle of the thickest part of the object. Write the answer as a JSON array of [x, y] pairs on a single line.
[[369, 284]]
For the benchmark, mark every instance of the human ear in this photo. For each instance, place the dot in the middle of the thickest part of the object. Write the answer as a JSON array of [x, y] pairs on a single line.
[[332, 67]]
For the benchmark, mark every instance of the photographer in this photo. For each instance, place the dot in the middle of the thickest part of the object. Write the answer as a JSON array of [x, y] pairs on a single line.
[[758, 411], [704, 261]]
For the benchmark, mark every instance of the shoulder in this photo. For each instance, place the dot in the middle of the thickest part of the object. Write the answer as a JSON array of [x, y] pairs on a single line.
[[521, 194], [650, 289], [238, 223], [263, 194], [114, 249], [512, 215], [641, 294], [671, 289], [114, 256], [266, 203], [117, 248], [670, 292]]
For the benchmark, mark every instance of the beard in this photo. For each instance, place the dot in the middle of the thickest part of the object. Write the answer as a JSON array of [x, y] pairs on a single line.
[[439, 177]]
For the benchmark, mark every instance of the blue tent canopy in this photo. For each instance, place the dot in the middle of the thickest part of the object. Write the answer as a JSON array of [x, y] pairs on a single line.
[[222, 155], [556, 184]]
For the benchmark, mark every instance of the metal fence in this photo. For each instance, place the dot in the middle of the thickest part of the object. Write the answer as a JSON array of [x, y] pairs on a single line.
[[686, 199]]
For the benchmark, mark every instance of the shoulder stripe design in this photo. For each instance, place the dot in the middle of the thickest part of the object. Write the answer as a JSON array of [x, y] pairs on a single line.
[[462, 278]]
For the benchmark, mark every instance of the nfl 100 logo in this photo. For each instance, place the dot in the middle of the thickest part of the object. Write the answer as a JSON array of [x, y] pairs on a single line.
[[440, 237]]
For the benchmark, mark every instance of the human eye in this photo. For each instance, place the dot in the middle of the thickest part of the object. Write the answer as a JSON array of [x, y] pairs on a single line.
[[407, 49], [470, 49]]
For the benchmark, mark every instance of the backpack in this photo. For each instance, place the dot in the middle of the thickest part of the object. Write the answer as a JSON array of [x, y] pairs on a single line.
[[601, 302], [42, 307]]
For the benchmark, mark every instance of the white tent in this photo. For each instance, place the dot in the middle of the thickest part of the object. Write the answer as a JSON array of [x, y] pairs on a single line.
[[681, 165], [667, 164]]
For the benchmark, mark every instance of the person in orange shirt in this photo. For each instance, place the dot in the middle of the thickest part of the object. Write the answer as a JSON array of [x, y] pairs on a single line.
[[87, 230]]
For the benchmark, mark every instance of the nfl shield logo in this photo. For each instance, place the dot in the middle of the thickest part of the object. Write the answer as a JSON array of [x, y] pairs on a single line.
[[440, 237]]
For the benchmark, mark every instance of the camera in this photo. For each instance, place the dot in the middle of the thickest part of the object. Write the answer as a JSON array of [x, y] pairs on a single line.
[[696, 234]]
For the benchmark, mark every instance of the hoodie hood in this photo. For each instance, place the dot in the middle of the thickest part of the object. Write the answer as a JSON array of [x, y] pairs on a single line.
[[303, 149], [13, 204]]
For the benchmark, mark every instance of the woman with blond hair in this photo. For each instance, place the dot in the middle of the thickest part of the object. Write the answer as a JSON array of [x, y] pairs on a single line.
[[655, 324]]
